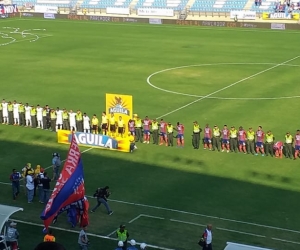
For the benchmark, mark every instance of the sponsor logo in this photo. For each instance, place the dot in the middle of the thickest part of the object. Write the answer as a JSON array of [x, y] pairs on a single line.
[[118, 106], [248, 25], [8, 9], [95, 140], [49, 16], [277, 26], [214, 24], [129, 20], [27, 14], [4, 16], [155, 21], [280, 16], [100, 18]]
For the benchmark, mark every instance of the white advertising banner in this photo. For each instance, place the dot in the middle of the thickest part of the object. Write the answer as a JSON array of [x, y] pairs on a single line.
[[120, 11], [45, 9], [155, 12], [243, 14]]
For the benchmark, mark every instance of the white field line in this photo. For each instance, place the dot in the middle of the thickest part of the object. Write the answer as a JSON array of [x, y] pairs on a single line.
[[134, 219], [287, 241], [195, 214], [61, 161], [215, 97], [219, 228], [89, 234], [240, 232], [229, 86], [190, 223], [153, 217], [164, 26], [113, 232], [29, 39]]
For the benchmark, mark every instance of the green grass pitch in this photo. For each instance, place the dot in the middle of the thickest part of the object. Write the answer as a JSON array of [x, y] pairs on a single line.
[[239, 77]]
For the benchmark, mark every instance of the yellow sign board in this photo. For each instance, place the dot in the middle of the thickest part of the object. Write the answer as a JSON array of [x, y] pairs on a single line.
[[94, 140], [120, 105]]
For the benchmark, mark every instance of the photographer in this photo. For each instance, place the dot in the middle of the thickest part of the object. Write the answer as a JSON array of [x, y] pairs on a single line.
[[102, 194]]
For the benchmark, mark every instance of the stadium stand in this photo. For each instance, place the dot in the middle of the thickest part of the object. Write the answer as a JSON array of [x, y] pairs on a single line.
[[171, 4], [275, 6], [101, 4], [218, 5], [58, 3]]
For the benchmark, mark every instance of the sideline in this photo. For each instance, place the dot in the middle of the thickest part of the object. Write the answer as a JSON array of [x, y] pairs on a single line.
[[192, 213], [227, 87], [146, 25], [89, 234]]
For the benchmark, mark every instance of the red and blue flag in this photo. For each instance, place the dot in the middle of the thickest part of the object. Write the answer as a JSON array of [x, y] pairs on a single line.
[[69, 190]]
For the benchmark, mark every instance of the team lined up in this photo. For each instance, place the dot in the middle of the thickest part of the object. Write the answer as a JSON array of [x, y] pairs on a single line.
[[254, 142], [250, 141]]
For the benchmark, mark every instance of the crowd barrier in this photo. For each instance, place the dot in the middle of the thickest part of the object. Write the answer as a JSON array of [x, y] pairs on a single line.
[[158, 21]]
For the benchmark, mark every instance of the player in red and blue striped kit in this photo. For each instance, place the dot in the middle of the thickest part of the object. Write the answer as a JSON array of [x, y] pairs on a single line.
[[180, 135], [146, 126], [163, 132], [242, 140], [260, 136]]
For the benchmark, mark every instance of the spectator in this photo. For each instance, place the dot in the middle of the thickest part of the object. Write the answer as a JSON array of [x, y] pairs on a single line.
[[30, 186], [37, 182], [132, 243], [12, 236], [49, 246], [83, 240], [46, 188], [49, 237], [15, 182]]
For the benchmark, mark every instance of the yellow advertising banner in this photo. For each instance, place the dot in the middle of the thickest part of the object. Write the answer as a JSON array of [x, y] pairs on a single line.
[[120, 106], [280, 16], [94, 140]]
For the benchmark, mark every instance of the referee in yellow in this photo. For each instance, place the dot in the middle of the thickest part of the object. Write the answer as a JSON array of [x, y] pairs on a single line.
[[95, 123]]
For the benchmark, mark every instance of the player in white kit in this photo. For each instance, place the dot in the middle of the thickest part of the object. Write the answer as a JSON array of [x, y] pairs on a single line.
[[72, 119], [59, 119], [39, 116], [86, 124], [4, 112], [27, 115], [16, 113]]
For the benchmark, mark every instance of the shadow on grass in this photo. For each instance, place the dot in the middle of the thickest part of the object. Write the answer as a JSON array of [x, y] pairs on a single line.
[[158, 186]]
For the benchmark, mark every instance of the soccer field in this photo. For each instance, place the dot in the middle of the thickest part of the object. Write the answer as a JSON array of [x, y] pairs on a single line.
[[164, 195]]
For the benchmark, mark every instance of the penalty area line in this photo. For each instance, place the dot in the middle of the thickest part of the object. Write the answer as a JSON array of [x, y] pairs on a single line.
[[227, 87]]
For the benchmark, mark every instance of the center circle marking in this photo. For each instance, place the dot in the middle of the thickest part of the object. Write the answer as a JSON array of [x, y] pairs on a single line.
[[213, 97]]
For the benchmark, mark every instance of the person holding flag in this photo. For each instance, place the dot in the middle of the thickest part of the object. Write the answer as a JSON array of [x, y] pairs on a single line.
[[69, 189]]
